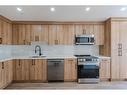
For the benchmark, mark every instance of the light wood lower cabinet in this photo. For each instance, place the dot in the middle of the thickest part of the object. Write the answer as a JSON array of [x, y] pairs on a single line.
[[38, 70], [30, 70], [5, 73], [21, 69], [105, 69], [70, 70]]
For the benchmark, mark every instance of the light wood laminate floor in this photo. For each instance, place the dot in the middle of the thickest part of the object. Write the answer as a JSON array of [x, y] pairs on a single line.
[[69, 85]]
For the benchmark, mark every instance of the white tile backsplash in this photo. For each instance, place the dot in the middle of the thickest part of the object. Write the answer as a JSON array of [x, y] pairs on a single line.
[[48, 50]]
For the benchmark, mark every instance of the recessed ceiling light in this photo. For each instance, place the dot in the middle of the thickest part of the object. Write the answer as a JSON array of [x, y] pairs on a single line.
[[19, 9], [123, 9], [52, 9], [87, 9]]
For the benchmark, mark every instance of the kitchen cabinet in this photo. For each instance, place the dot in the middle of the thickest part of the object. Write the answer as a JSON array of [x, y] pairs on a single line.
[[68, 35], [5, 73], [91, 29], [5, 32], [53, 35], [28, 35], [36, 32], [44, 33], [70, 70], [21, 69], [18, 35], [81, 29], [105, 69], [99, 34], [117, 45], [30, 70], [38, 70], [61, 34]]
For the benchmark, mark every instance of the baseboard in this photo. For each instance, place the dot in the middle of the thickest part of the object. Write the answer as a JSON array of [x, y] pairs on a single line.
[[29, 81]]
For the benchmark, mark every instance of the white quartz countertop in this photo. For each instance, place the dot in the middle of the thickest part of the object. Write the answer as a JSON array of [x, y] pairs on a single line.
[[2, 59], [103, 57]]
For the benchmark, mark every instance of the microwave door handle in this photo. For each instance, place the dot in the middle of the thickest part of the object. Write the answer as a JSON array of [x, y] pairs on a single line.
[[88, 40]]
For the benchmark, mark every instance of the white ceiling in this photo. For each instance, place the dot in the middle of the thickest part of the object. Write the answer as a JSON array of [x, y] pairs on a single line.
[[62, 13]]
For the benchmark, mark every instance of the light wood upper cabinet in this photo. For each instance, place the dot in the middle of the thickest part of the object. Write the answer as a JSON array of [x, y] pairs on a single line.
[[70, 70], [105, 69], [53, 35], [28, 34], [99, 34], [68, 34], [36, 32], [15, 35], [44, 33], [84, 29], [38, 70], [91, 29]]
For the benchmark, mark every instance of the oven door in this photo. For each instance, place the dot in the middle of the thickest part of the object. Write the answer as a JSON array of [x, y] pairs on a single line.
[[88, 71]]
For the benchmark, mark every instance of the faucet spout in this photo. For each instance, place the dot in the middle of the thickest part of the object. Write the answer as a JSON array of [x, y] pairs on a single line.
[[38, 48]]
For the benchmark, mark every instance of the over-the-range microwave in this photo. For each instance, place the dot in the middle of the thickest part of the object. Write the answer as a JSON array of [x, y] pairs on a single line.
[[84, 40]]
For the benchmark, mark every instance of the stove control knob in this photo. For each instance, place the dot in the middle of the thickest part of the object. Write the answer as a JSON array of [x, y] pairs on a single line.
[[84, 60]]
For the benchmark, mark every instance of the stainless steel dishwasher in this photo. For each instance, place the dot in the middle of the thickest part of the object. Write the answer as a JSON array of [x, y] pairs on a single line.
[[55, 70]]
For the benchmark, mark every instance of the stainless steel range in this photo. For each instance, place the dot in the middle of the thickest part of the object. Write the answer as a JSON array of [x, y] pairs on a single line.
[[88, 69]]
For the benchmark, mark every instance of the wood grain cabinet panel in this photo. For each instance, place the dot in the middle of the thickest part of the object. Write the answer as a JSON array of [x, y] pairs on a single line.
[[99, 34], [21, 69], [5, 73], [0, 74], [38, 70], [117, 45], [69, 35], [28, 34], [105, 69], [53, 35], [36, 32], [30, 70], [70, 70]]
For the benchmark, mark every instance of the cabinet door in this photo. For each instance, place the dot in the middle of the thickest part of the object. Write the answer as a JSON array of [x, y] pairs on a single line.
[[15, 35], [0, 75], [53, 35], [123, 57], [28, 37], [105, 69], [70, 70], [99, 34], [79, 29], [3, 75], [9, 34], [0, 28], [36, 32], [68, 36], [10, 71], [17, 70], [4, 32], [21, 30], [60, 34], [44, 33], [88, 29], [38, 70], [21, 69], [114, 51]]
